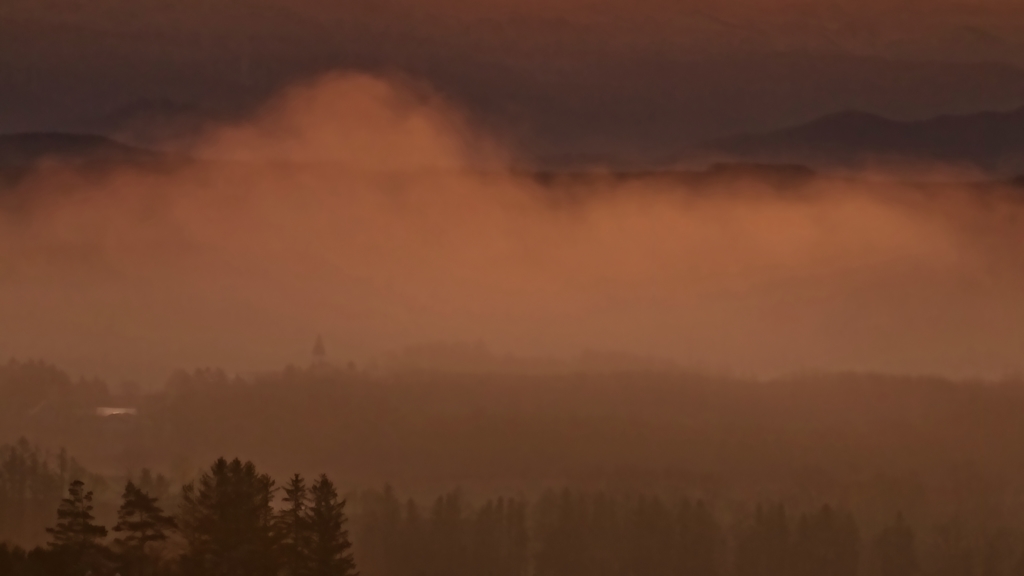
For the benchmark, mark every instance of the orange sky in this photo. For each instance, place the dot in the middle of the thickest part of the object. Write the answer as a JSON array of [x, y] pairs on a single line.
[[355, 210]]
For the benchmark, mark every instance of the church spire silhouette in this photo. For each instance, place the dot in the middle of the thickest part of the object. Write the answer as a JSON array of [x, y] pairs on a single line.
[[319, 352]]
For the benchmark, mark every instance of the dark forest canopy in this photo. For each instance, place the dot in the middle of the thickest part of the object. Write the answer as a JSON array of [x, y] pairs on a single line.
[[235, 520], [225, 525], [560, 474], [925, 442]]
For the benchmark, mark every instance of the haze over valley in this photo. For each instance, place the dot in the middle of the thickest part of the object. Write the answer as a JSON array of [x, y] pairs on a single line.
[[449, 288]]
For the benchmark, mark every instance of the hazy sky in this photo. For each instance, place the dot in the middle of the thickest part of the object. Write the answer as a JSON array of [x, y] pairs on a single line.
[[379, 218], [568, 77], [355, 206]]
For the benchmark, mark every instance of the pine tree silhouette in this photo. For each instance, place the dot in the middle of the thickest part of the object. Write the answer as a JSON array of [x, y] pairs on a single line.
[[766, 547], [75, 538], [141, 523], [894, 548], [827, 544], [330, 553], [293, 527], [228, 522]]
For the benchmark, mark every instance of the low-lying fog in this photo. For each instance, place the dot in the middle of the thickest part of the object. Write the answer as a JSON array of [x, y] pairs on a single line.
[[374, 214]]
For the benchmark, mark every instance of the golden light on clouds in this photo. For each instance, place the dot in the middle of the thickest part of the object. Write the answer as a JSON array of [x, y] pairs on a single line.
[[377, 216]]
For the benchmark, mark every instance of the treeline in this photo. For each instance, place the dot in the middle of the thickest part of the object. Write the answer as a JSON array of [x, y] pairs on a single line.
[[31, 482], [226, 525], [235, 521], [571, 533], [583, 533], [949, 454], [892, 435]]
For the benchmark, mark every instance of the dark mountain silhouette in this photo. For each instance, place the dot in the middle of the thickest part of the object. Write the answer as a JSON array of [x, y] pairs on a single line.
[[19, 153], [775, 175], [32, 148], [150, 122], [987, 140]]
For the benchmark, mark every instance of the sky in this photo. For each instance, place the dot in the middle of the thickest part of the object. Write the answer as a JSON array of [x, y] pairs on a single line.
[[588, 78], [362, 170], [381, 216]]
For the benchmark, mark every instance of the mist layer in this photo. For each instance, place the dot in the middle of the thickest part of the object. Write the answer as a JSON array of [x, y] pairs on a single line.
[[376, 215]]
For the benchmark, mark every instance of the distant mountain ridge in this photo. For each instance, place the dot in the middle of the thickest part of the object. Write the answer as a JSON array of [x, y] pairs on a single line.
[[19, 153], [992, 141], [34, 146]]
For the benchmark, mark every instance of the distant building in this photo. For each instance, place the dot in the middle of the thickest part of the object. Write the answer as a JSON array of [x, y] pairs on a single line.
[[105, 412]]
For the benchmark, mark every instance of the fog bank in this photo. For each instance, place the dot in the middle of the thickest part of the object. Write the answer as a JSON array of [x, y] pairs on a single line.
[[375, 214]]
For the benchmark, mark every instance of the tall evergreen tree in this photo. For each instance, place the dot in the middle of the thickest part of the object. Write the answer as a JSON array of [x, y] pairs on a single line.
[[766, 547], [12, 559], [699, 539], [446, 547], [330, 549], [827, 544], [895, 550], [75, 538], [957, 552], [384, 549], [650, 542], [293, 525], [140, 522], [30, 487], [228, 522]]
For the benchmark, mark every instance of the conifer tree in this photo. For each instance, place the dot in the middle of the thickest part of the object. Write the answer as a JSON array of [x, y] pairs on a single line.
[[293, 525], [699, 539], [765, 549], [827, 544], [330, 549], [141, 522], [75, 538], [228, 522], [895, 550]]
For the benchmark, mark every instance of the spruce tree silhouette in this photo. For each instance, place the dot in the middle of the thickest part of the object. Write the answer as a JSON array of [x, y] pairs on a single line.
[[30, 487], [141, 523], [76, 539], [766, 548], [895, 549], [228, 522], [330, 549], [827, 544], [12, 559], [699, 539], [293, 529]]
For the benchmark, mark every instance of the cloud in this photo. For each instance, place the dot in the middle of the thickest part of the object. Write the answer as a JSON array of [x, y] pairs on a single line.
[[372, 212]]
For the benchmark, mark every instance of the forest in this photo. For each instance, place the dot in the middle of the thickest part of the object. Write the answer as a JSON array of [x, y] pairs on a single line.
[[444, 472], [227, 524]]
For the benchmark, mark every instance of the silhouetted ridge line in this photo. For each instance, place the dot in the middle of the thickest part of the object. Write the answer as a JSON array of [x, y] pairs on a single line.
[[771, 174], [988, 140], [21, 152], [36, 145]]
